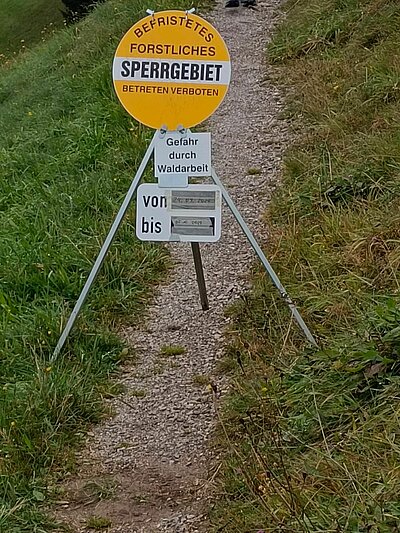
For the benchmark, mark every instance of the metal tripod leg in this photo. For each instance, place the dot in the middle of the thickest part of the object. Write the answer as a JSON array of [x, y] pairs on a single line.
[[263, 259], [104, 249]]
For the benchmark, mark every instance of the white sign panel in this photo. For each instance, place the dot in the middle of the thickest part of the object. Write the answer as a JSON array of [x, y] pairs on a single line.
[[188, 215], [188, 154]]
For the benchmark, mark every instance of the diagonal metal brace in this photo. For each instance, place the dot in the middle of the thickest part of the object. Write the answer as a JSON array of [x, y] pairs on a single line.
[[263, 259], [104, 250]]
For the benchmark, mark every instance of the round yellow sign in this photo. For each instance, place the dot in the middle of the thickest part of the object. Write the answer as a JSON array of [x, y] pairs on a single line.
[[171, 69]]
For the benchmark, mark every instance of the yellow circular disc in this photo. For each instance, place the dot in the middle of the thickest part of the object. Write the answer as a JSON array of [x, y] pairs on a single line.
[[171, 69]]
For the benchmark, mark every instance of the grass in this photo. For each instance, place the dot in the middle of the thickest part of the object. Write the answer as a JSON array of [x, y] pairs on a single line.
[[24, 24], [171, 350], [253, 171], [68, 152], [95, 491], [310, 437], [202, 380], [98, 523]]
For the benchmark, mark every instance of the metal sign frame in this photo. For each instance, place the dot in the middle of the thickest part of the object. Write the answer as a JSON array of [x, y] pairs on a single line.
[[196, 254]]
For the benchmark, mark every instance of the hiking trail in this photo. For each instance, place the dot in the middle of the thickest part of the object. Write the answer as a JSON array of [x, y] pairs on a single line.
[[150, 466]]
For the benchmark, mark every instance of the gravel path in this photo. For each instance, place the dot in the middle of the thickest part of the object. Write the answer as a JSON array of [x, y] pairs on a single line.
[[146, 468]]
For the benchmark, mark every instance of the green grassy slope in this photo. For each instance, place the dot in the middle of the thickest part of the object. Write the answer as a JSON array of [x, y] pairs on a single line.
[[68, 152], [312, 437], [23, 24]]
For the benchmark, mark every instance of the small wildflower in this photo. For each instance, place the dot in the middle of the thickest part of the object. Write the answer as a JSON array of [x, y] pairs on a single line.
[[13, 423], [30, 113], [48, 368]]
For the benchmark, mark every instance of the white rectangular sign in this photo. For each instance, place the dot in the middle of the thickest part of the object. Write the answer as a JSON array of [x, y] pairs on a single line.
[[189, 215], [187, 154], [170, 70]]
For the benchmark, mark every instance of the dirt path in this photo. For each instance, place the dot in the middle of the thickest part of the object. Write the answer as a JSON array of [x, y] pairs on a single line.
[[146, 469]]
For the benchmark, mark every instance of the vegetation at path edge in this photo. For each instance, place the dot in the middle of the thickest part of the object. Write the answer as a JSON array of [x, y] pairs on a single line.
[[23, 24], [311, 437], [68, 152]]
